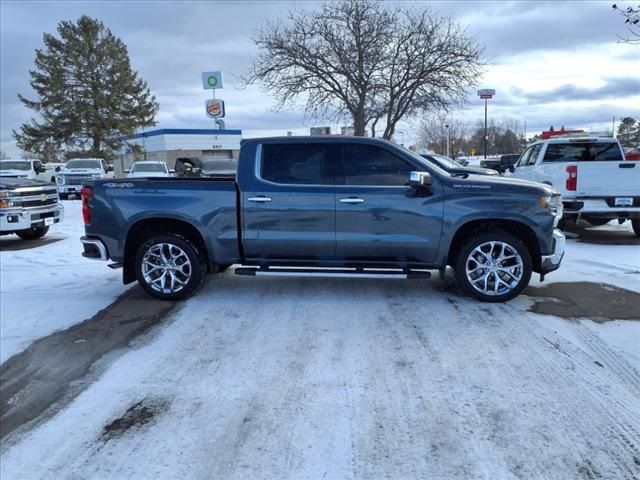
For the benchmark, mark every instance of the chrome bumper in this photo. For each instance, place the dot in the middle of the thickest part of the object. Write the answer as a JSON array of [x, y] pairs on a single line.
[[14, 219], [94, 249], [551, 262]]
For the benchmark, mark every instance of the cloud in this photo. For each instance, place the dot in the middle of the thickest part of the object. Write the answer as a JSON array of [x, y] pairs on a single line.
[[617, 87]]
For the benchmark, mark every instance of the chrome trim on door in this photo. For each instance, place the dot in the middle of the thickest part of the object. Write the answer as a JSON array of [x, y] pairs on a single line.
[[351, 200], [259, 199]]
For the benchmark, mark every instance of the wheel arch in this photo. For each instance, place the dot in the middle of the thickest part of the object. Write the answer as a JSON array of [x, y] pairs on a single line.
[[519, 229], [143, 229]]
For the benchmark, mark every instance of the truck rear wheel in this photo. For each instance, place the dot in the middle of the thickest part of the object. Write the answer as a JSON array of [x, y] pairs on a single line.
[[32, 233], [493, 266], [169, 267]]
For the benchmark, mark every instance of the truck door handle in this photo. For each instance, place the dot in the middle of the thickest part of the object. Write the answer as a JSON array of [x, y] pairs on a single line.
[[626, 165], [351, 200], [259, 199]]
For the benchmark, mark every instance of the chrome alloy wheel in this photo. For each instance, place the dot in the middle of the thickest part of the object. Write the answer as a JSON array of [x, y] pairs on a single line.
[[494, 268], [166, 268]]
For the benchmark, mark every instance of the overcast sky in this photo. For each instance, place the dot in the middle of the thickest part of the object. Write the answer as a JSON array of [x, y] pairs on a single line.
[[551, 63]]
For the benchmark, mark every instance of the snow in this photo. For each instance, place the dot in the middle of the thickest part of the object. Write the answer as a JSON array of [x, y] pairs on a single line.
[[50, 287], [336, 378]]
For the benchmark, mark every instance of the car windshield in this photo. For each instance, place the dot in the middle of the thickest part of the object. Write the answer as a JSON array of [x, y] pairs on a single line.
[[429, 164], [14, 165], [83, 164], [148, 167], [445, 162]]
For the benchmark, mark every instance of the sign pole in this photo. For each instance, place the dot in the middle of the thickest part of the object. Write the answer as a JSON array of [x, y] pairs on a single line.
[[485, 128]]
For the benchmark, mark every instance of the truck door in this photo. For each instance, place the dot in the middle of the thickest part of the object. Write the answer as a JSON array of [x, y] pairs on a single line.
[[378, 217], [289, 207]]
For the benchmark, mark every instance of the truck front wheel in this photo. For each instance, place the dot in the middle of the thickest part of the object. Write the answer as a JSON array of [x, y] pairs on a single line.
[[493, 266], [32, 233], [169, 267]]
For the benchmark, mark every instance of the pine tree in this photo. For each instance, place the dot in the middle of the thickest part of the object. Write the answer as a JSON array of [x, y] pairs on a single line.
[[629, 132], [89, 95]]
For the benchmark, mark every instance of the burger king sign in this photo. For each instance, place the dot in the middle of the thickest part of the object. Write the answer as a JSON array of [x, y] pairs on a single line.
[[215, 108]]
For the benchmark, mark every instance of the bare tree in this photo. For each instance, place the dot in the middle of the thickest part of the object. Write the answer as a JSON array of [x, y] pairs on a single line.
[[364, 59], [436, 127], [632, 20]]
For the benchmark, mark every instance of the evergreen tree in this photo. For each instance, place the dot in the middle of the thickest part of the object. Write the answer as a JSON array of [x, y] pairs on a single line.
[[629, 132], [88, 94]]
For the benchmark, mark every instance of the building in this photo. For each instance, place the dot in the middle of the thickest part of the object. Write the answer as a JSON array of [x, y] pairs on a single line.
[[320, 131], [171, 143]]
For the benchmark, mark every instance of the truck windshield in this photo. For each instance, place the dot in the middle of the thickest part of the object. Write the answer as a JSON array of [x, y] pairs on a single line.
[[148, 167], [83, 164], [583, 152], [14, 165]]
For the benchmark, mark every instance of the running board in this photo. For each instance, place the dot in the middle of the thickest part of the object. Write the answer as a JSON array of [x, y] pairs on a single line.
[[332, 272]]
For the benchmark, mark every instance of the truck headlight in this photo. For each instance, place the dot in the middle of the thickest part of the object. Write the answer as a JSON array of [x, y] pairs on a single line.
[[6, 204], [60, 180], [5, 194], [553, 203]]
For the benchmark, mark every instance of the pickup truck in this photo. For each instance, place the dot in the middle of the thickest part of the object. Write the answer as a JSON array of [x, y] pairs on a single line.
[[336, 206], [31, 169], [79, 170], [28, 208], [592, 175]]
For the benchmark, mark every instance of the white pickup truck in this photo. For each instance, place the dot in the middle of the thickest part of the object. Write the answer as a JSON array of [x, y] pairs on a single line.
[[597, 184], [31, 169], [78, 171]]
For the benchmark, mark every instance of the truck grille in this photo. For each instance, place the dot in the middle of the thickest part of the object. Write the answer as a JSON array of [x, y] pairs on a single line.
[[33, 197], [76, 179]]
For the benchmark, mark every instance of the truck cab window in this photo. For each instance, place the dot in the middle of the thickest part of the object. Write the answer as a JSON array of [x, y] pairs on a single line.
[[293, 163], [371, 165]]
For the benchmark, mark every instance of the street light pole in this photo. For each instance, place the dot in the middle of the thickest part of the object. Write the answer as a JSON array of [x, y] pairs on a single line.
[[485, 128], [486, 93], [448, 138]]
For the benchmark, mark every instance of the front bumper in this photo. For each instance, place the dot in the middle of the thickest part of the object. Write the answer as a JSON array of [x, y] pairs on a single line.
[[70, 189], [552, 262], [12, 220]]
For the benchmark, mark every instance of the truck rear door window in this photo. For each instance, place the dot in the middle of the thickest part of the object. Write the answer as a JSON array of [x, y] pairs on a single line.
[[294, 164], [583, 152], [371, 165]]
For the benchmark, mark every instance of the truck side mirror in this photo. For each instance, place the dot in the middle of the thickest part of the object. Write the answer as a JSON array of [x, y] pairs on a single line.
[[420, 181], [57, 169], [109, 168]]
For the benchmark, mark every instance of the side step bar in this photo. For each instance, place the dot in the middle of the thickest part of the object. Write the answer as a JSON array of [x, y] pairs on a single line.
[[332, 272]]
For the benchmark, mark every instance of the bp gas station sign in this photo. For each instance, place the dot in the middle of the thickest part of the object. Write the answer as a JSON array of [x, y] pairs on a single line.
[[212, 80]]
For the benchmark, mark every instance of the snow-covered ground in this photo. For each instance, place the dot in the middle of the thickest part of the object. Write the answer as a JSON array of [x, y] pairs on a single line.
[[50, 287], [334, 378]]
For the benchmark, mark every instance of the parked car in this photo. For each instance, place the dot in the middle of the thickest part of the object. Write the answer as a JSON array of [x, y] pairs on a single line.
[[501, 163], [149, 168], [31, 169], [596, 182], [341, 206], [213, 168], [78, 171], [28, 208], [453, 167]]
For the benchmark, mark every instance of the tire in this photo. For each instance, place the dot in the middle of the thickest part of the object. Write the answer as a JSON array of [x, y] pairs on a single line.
[[164, 258], [32, 233], [64, 196], [635, 224], [495, 280]]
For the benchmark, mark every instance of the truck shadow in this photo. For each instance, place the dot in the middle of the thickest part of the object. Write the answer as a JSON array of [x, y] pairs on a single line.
[[13, 243]]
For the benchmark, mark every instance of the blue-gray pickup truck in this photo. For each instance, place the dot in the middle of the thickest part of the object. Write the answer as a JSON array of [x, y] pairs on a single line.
[[337, 206]]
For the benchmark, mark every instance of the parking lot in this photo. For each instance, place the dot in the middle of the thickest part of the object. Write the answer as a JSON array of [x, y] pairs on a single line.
[[319, 378]]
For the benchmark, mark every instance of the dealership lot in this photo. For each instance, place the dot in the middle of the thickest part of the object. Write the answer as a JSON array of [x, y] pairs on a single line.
[[319, 378]]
